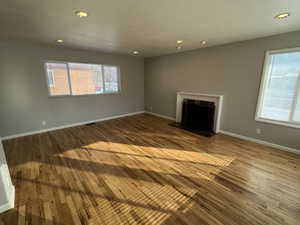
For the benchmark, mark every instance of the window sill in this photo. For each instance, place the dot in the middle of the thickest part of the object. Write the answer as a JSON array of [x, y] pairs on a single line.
[[108, 93], [280, 123]]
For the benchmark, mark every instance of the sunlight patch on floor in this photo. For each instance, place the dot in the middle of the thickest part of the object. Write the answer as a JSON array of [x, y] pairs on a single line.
[[193, 156]]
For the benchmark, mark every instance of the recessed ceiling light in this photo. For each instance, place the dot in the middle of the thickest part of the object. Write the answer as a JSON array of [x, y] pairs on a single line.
[[282, 15], [179, 47], [59, 41], [203, 42], [179, 41], [81, 13], [135, 52]]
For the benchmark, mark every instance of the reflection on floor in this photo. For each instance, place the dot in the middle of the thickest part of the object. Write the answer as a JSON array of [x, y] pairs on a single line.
[[139, 170]]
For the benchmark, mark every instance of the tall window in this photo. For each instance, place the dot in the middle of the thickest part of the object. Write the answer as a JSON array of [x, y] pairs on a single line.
[[81, 79], [279, 99]]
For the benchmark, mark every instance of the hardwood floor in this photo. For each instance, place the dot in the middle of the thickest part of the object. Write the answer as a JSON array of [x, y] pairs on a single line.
[[139, 170]]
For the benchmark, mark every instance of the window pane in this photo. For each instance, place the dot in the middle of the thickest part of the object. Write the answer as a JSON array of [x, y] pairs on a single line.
[[57, 78], [86, 78], [111, 79], [282, 83]]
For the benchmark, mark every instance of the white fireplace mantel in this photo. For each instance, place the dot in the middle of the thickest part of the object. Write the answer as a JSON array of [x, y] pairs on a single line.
[[217, 99]]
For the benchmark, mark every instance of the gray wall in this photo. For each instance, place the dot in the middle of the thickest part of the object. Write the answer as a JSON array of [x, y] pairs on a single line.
[[232, 70], [24, 100]]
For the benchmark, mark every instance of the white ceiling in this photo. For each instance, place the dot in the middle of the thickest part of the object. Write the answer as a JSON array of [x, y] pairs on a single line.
[[151, 27]]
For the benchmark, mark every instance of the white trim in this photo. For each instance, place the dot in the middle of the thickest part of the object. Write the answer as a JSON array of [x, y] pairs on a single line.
[[276, 122], [295, 102], [264, 83], [5, 207], [197, 94], [10, 195], [70, 125], [280, 147], [50, 72], [69, 81], [11, 201], [160, 115], [286, 50], [5, 182], [269, 144]]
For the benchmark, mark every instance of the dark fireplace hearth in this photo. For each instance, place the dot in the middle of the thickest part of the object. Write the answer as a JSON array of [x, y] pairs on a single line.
[[197, 116]]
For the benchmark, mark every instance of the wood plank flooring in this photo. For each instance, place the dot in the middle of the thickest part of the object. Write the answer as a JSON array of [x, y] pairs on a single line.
[[140, 170]]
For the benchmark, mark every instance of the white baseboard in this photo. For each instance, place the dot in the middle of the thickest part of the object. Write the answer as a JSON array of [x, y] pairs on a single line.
[[160, 115], [69, 125], [284, 148], [12, 197], [5, 207], [280, 147], [258, 141], [11, 201]]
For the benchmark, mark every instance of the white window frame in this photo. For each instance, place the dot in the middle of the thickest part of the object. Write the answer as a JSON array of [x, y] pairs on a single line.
[[70, 83], [264, 84], [50, 72]]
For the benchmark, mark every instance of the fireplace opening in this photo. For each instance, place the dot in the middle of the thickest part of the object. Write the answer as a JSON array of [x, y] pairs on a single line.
[[198, 116]]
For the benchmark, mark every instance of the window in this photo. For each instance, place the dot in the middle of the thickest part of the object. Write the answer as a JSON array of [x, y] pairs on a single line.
[[279, 98], [59, 73], [81, 79]]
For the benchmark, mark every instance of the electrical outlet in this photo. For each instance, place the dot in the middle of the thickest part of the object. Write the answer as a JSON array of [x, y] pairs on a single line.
[[150, 108], [258, 130], [44, 123]]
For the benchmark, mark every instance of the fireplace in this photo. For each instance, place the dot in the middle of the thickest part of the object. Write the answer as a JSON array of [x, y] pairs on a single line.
[[198, 116], [199, 113]]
